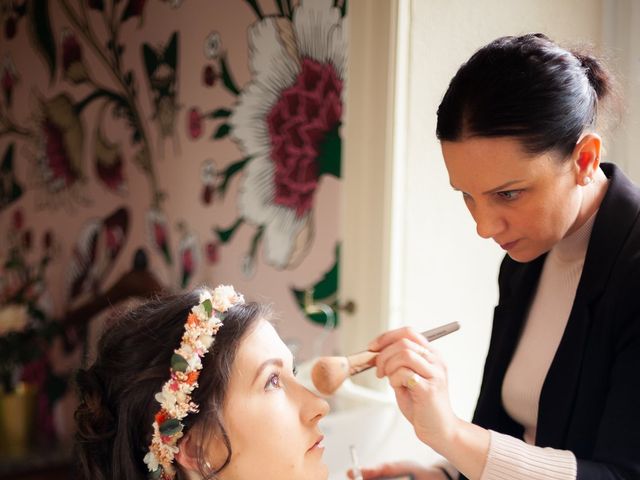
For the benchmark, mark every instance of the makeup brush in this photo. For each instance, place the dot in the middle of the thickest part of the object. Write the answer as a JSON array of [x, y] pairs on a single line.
[[328, 373]]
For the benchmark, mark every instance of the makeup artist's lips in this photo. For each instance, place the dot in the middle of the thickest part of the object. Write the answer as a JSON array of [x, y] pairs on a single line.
[[317, 446], [508, 246]]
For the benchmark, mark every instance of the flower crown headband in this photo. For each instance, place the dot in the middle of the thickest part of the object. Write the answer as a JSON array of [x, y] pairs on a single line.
[[175, 397]]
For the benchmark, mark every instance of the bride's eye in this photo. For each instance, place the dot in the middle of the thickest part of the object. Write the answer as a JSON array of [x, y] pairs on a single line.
[[273, 382]]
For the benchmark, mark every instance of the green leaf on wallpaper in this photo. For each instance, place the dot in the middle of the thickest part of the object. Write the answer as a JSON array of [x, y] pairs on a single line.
[[171, 51], [325, 291], [330, 155], [7, 161], [226, 235], [256, 8], [96, 5], [343, 9], [231, 171], [41, 33], [134, 8], [136, 135], [222, 131], [220, 113], [10, 189], [128, 77], [151, 59], [226, 77]]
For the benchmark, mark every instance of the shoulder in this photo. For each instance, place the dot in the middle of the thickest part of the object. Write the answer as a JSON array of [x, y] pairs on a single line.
[[615, 239]]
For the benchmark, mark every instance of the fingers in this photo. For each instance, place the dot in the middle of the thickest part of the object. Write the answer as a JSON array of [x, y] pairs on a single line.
[[392, 336], [406, 353]]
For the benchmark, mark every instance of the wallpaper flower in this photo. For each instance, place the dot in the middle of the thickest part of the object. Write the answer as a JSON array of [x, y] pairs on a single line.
[[284, 120]]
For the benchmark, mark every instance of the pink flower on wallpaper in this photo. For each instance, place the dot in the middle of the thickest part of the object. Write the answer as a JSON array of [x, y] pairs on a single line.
[[98, 244], [8, 79], [189, 254], [158, 232], [208, 75], [109, 163], [10, 27], [194, 125], [62, 138], [72, 64], [291, 105], [300, 120], [213, 252], [47, 240], [17, 219]]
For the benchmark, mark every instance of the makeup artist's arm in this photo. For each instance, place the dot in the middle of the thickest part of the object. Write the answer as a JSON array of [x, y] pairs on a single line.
[[418, 375], [408, 360]]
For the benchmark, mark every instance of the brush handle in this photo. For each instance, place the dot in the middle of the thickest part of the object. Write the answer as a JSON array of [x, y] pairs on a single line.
[[361, 361]]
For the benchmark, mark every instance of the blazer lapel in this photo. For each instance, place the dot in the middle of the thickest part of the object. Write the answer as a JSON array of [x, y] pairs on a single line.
[[615, 218], [508, 321]]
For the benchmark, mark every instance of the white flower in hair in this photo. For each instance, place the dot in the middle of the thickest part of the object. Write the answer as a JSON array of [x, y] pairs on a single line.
[[204, 341], [152, 461], [200, 312], [225, 297]]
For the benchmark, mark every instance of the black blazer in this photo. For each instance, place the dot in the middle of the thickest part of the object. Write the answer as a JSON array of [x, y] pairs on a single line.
[[590, 399]]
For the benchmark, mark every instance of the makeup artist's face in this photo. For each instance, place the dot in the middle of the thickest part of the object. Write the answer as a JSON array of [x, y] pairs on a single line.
[[525, 203], [271, 419]]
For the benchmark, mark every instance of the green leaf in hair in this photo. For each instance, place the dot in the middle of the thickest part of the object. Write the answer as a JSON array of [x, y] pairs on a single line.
[[208, 306], [170, 427], [178, 363]]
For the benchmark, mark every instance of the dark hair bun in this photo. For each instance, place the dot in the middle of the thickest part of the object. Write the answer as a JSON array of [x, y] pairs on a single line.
[[598, 77], [95, 422]]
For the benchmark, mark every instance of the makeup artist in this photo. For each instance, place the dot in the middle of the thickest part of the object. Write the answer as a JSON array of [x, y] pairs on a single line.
[[560, 394]]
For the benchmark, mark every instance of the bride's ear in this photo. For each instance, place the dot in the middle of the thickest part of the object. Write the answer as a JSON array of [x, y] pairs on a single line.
[[189, 449], [187, 456]]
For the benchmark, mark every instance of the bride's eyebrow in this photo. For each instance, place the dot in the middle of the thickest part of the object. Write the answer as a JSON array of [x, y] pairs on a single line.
[[272, 361]]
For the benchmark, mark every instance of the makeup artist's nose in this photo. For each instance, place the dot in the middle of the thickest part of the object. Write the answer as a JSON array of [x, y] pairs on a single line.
[[489, 223], [313, 407]]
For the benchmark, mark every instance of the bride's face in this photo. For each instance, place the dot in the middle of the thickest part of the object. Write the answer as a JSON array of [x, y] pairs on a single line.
[[271, 419]]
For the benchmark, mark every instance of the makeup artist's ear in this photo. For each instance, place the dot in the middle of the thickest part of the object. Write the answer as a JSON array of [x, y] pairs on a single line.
[[586, 158]]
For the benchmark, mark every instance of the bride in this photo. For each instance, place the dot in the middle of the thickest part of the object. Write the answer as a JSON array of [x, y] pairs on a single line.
[[197, 386]]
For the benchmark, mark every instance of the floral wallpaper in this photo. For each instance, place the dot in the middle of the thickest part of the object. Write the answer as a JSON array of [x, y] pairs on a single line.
[[207, 132]]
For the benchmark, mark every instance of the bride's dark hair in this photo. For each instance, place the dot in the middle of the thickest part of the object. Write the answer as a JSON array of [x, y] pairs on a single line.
[[114, 419]]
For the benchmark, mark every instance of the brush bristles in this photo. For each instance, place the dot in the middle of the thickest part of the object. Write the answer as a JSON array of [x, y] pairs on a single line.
[[329, 373]]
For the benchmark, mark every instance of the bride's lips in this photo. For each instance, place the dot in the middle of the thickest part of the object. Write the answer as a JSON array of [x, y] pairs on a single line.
[[508, 246], [317, 445]]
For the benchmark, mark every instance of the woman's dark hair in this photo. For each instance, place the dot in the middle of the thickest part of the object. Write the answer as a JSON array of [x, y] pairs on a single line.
[[526, 87], [114, 419]]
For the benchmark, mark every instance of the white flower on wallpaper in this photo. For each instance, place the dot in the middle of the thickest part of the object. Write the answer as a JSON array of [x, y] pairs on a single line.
[[212, 45], [287, 120]]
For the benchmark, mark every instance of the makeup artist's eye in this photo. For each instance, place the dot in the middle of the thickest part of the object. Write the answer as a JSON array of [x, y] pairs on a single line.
[[509, 195], [273, 382]]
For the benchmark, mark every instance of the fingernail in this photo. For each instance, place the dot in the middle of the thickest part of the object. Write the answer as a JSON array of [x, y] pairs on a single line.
[[373, 346]]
